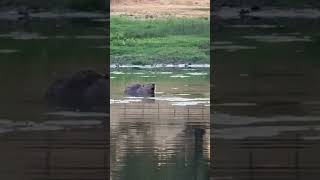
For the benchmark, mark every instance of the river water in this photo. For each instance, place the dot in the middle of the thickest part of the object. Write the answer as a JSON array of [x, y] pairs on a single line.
[[165, 137]]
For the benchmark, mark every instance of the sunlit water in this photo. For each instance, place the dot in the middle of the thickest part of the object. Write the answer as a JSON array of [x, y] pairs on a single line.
[[163, 137]]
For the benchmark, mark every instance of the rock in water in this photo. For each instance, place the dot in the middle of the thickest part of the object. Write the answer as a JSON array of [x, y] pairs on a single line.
[[85, 90], [139, 90]]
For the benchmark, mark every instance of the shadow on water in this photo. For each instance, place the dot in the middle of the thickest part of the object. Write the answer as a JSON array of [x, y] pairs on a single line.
[[37, 143]]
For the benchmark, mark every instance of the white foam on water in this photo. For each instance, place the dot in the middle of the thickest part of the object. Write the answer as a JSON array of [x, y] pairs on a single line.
[[117, 72], [165, 72], [175, 100], [179, 76], [172, 99], [189, 69], [197, 73], [147, 76], [160, 66], [188, 103], [124, 101], [182, 101]]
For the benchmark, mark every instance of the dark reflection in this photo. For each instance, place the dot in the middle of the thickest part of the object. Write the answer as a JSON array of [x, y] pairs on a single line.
[[38, 142], [85, 90], [159, 141], [277, 143], [265, 112]]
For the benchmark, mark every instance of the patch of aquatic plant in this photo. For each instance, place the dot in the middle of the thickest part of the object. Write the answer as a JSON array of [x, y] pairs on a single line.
[[159, 40]]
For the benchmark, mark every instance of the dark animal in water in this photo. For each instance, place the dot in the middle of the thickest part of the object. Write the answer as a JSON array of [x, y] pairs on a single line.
[[24, 13], [140, 90], [255, 8], [243, 13], [85, 90], [187, 65]]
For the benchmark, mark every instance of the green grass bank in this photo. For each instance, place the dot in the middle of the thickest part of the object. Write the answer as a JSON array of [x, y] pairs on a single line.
[[150, 41]]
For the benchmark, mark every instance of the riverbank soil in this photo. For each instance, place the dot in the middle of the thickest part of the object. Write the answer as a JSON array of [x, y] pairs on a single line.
[[161, 8]]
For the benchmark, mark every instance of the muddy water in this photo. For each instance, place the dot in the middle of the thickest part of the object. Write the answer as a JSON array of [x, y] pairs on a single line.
[[36, 142], [165, 137]]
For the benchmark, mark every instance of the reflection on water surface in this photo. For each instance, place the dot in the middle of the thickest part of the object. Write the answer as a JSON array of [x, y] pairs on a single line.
[[37, 143], [165, 137]]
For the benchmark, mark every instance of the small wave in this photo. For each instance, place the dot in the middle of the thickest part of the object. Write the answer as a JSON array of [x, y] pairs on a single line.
[[197, 73], [124, 101], [117, 72], [179, 76], [160, 66]]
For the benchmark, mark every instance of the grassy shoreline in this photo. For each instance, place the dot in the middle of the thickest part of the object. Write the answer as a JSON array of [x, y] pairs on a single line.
[[150, 41]]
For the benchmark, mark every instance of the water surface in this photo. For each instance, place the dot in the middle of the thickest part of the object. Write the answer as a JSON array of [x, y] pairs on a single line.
[[164, 137], [38, 142]]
